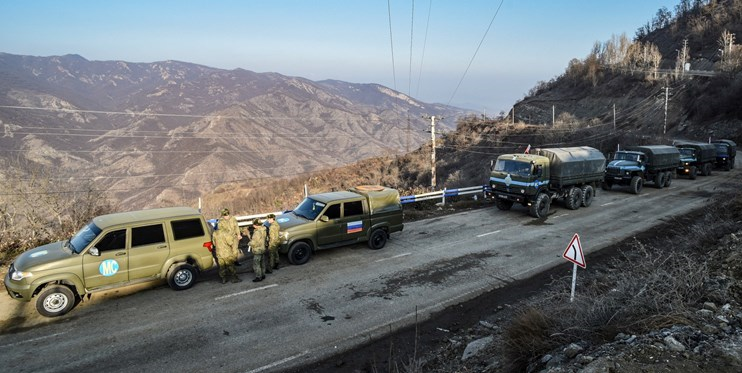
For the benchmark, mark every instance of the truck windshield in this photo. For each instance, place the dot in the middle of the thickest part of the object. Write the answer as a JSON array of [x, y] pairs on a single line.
[[309, 208], [687, 152], [721, 148], [510, 166], [83, 237], [620, 156]]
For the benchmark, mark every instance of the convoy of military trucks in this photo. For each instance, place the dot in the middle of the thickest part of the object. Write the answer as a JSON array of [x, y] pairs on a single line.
[[174, 244]]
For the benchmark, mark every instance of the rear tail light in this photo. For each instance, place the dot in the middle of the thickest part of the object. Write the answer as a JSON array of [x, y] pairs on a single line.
[[209, 246]]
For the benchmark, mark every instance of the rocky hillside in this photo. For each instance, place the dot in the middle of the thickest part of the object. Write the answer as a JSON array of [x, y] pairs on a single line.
[[164, 133]]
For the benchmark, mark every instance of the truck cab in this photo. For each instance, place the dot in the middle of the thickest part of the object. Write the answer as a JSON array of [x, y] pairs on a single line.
[[515, 177], [726, 152]]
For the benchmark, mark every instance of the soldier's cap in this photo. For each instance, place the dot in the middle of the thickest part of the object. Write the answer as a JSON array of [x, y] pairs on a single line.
[[256, 222], [271, 216], [225, 212]]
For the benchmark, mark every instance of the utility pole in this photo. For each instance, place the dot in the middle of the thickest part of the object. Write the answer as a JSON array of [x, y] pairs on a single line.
[[614, 117], [553, 111], [432, 153], [667, 94]]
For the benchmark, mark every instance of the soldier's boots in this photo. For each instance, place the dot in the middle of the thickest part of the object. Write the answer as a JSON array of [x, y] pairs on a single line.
[[257, 279], [224, 280], [275, 266], [236, 279]]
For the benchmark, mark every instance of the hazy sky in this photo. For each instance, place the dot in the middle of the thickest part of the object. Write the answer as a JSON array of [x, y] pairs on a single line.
[[350, 40]]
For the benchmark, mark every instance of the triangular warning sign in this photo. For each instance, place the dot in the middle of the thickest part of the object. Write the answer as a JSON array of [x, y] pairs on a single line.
[[573, 253]]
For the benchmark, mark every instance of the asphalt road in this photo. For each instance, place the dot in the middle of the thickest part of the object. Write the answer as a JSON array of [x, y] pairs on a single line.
[[341, 298]]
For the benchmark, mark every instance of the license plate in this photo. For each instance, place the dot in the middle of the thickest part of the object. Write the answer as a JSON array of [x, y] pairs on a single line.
[[501, 196], [617, 177]]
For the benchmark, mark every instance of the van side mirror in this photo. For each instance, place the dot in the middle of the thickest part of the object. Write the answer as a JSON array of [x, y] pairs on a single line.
[[94, 251], [324, 218]]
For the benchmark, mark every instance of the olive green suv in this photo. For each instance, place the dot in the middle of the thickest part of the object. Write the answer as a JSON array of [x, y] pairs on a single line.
[[113, 251]]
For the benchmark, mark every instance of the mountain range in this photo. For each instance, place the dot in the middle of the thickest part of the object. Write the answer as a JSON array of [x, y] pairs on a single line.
[[160, 133]]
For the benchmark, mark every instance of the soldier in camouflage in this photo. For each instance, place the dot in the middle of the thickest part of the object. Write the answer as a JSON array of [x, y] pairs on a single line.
[[229, 224], [274, 241], [225, 256], [257, 245]]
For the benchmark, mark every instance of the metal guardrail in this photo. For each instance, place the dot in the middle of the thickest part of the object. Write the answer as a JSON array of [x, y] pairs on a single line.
[[441, 195]]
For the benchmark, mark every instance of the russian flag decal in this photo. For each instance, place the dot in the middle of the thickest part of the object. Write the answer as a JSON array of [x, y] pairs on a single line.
[[355, 226]]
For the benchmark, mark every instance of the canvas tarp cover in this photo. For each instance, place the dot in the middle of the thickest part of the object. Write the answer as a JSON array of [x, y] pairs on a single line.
[[575, 164], [380, 199], [659, 156]]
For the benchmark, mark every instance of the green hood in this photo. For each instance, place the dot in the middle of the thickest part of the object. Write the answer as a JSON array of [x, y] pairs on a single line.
[[43, 257]]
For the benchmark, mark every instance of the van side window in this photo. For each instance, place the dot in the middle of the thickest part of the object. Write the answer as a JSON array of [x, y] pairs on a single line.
[[115, 240], [147, 235], [333, 211], [183, 229], [353, 208]]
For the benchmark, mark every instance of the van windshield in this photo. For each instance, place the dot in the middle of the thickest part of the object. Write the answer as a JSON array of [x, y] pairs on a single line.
[[621, 156], [83, 237], [309, 208]]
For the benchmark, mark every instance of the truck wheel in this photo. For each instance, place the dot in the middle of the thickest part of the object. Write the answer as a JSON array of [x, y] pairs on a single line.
[[378, 239], [606, 185], [659, 180], [299, 253], [693, 173], [728, 166], [503, 204], [587, 195], [708, 168], [181, 276], [668, 179], [540, 207], [56, 301], [636, 184], [574, 199]]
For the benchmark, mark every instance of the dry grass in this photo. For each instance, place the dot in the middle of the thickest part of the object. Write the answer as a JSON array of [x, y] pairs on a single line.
[[653, 283]]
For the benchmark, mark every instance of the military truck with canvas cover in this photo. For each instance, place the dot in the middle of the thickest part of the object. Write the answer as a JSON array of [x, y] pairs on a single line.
[[368, 213], [112, 251], [696, 157], [534, 180], [637, 164], [726, 152]]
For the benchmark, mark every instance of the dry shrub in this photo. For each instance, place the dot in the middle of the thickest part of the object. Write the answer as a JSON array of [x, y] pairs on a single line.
[[644, 288]]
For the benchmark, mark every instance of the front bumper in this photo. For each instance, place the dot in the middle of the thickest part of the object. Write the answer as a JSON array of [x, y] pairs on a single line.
[[18, 291]]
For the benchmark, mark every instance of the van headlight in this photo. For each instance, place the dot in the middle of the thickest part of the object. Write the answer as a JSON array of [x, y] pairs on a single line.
[[284, 236], [20, 275]]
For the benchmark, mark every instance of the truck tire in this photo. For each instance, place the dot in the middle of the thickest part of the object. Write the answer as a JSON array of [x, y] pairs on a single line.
[[693, 173], [503, 204], [378, 239], [540, 207], [574, 198], [728, 166], [708, 168], [636, 184], [55, 301], [181, 276], [588, 192], [668, 179], [659, 180], [606, 185], [705, 171], [299, 253]]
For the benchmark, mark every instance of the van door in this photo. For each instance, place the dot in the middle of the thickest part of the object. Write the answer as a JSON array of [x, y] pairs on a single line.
[[329, 232], [111, 265], [149, 250], [346, 226]]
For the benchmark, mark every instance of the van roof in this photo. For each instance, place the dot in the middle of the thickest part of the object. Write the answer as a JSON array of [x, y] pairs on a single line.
[[105, 221]]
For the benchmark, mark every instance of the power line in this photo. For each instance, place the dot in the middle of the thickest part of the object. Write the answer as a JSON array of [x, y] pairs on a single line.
[[412, 30], [425, 43], [391, 42], [475, 53]]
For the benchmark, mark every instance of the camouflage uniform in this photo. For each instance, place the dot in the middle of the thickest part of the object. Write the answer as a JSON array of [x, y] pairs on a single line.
[[228, 224], [225, 256], [274, 241], [257, 245]]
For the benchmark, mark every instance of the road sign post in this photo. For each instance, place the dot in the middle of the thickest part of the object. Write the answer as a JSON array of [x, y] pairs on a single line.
[[574, 254]]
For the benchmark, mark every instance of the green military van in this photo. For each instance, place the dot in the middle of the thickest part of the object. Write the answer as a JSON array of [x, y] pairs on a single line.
[[366, 213], [112, 251]]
